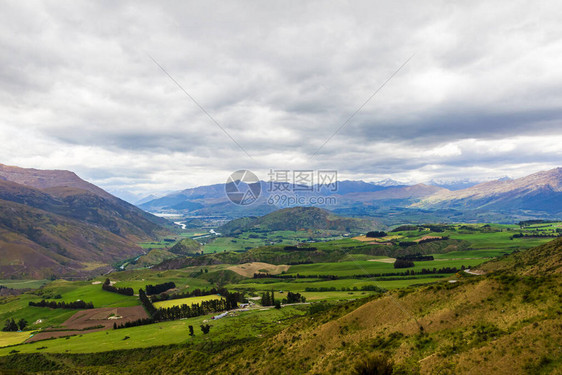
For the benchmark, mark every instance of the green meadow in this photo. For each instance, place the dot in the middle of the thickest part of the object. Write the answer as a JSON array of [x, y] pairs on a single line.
[[185, 301], [353, 268], [243, 325]]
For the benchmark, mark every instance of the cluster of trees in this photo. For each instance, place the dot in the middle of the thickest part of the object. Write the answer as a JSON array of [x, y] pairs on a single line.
[[535, 235], [268, 299], [403, 263], [63, 305], [148, 306], [205, 328], [416, 257], [134, 323], [532, 222], [294, 298], [12, 326], [196, 309], [159, 288], [125, 291], [228, 302], [376, 234]]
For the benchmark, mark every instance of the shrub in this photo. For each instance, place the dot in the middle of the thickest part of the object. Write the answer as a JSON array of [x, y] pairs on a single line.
[[373, 364]]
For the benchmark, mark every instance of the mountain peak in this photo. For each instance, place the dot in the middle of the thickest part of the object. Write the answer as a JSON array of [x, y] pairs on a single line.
[[47, 179]]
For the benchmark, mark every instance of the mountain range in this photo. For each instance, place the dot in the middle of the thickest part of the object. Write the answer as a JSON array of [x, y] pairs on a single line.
[[53, 223], [504, 200]]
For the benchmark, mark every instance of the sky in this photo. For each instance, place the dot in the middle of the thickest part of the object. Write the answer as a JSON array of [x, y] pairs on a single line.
[[148, 97]]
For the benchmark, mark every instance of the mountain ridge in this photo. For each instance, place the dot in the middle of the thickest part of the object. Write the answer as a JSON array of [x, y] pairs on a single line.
[[65, 227]]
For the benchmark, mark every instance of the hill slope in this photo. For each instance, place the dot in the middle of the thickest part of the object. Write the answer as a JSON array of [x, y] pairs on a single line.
[[62, 225], [541, 191], [298, 218]]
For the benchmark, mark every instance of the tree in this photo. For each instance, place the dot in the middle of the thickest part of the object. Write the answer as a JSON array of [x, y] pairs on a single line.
[[205, 328], [265, 301], [277, 304], [376, 234], [22, 323], [191, 333], [402, 263], [10, 326]]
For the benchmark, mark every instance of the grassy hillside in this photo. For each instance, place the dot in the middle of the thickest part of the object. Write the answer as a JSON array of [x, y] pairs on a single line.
[[62, 225], [297, 218], [186, 246]]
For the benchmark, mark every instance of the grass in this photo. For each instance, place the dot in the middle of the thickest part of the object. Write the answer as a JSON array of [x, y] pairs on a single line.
[[23, 284], [347, 269], [301, 285], [18, 307], [185, 301], [246, 324], [13, 338]]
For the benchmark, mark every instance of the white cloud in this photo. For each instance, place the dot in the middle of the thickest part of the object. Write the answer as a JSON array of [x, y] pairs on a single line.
[[481, 97]]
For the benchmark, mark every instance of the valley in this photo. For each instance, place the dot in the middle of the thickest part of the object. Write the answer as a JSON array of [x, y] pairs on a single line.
[[345, 272]]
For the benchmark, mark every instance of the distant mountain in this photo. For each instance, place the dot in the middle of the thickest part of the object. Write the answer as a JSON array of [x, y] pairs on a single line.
[[526, 198], [389, 182], [54, 223], [454, 184], [348, 187], [145, 199], [395, 193], [298, 218], [212, 200], [539, 192]]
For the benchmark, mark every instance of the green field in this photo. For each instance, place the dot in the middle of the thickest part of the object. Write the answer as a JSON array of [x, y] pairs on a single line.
[[246, 324], [185, 301], [23, 284], [13, 338], [351, 262], [362, 267]]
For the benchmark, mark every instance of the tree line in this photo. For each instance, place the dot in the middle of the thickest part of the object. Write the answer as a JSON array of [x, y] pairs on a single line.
[[110, 288], [423, 271], [63, 305], [416, 257], [12, 326], [159, 288], [228, 302], [535, 235]]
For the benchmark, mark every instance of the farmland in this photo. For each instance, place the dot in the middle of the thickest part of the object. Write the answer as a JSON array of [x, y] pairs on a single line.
[[347, 270]]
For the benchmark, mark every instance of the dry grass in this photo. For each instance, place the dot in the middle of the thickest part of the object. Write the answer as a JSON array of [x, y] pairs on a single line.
[[248, 269]]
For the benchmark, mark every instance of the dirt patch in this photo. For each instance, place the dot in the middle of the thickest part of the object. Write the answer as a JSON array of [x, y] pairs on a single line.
[[381, 240], [248, 269], [383, 260], [82, 320], [96, 282], [475, 272]]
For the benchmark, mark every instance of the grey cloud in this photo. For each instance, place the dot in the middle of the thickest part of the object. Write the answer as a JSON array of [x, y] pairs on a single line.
[[281, 78]]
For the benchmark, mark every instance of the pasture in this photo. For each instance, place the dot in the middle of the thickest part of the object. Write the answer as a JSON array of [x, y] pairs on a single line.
[[185, 301]]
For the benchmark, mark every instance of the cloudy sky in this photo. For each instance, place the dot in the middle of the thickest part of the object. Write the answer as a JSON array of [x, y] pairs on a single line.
[[480, 97]]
